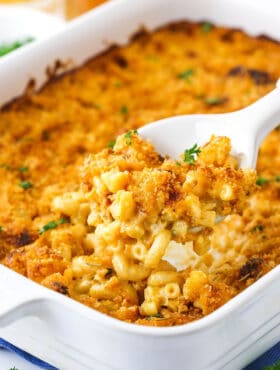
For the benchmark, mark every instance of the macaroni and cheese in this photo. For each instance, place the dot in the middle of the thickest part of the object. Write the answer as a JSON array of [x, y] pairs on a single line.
[[147, 222], [51, 233]]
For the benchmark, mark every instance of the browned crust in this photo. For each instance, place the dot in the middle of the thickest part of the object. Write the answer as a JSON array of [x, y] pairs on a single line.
[[55, 72]]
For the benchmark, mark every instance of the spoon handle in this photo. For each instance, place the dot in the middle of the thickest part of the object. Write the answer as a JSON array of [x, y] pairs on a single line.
[[263, 116]]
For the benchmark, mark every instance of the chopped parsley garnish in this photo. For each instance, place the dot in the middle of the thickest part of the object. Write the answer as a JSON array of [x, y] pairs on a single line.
[[13, 368], [186, 74], [26, 184], [1, 229], [7, 48], [178, 164], [206, 27], [52, 225], [23, 169], [124, 110], [112, 144], [276, 366], [128, 136], [258, 228], [214, 101], [62, 221], [49, 226], [191, 154], [262, 181], [156, 315]]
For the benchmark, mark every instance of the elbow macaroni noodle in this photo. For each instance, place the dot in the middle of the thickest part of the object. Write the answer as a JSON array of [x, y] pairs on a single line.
[[150, 221], [130, 233]]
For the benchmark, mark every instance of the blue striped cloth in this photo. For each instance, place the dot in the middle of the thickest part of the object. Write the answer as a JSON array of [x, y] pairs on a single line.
[[27, 356], [269, 358]]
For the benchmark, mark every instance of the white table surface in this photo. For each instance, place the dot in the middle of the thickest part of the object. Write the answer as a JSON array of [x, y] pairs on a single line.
[[9, 360]]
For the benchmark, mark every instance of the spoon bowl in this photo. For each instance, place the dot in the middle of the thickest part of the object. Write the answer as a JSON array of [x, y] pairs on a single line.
[[246, 128]]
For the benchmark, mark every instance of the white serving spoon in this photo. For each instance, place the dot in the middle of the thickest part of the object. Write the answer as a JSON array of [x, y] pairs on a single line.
[[246, 128]]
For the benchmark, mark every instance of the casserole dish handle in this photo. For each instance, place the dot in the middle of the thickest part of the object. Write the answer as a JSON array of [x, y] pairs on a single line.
[[18, 298]]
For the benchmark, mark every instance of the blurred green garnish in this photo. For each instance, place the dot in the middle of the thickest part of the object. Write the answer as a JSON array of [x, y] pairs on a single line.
[[191, 154], [26, 184], [214, 101], [112, 144], [276, 366], [206, 27], [185, 75], [128, 136], [8, 48], [261, 181], [52, 225]]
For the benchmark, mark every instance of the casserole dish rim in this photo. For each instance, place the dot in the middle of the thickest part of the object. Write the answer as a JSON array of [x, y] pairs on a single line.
[[215, 320], [192, 324], [221, 313]]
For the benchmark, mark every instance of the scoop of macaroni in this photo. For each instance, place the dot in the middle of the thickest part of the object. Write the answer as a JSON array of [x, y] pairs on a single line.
[[146, 224]]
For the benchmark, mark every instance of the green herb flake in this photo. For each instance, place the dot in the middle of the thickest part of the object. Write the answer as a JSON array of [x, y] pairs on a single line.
[[128, 136], [1, 229], [156, 315], [191, 154], [178, 164], [186, 74], [49, 226], [276, 366], [124, 110], [13, 368], [277, 178], [258, 228], [26, 185], [52, 225], [112, 144], [8, 48], [261, 181], [214, 101], [206, 27], [23, 169], [62, 221]]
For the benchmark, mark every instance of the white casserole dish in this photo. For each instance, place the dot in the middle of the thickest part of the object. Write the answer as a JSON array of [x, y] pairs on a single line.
[[20, 22], [229, 338]]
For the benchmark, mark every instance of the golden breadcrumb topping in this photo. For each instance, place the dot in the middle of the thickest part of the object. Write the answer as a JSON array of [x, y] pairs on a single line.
[[147, 222], [45, 137]]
